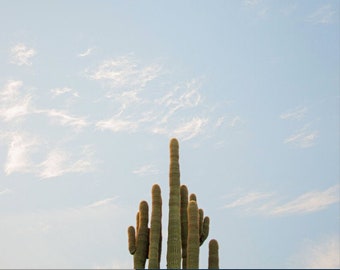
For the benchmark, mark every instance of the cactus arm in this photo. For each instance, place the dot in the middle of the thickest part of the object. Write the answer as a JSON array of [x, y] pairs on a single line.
[[213, 261], [132, 240], [205, 230]]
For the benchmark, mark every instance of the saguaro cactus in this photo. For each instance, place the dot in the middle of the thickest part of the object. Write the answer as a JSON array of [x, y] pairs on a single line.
[[155, 228], [187, 228], [184, 224], [213, 261], [174, 225], [139, 239], [193, 236]]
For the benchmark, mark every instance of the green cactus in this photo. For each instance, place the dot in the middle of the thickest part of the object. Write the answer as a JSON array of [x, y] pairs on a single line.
[[203, 226], [174, 226], [193, 236], [187, 228], [213, 261], [184, 224], [139, 239], [155, 228], [193, 197]]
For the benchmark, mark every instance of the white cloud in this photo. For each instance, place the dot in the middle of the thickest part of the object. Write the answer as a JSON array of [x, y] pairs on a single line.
[[10, 92], [148, 169], [85, 53], [309, 202], [295, 114], [303, 138], [183, 96], [103, 202], [116, 125], [54, 164], [21, 55], [190, 129], [59, 162], [65, 119], [323, 15], [60, 91], [248, 198], [265, 203], [12, 104], [321, 254], [18, 155], [125, 72], [20, 108]]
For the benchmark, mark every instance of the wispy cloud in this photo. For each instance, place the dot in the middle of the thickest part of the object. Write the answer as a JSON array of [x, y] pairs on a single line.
[[59, 162], [295, 114], [141, 103], [18, 155], [125, 72], [65, 119], [12, 103], [115, 124], [148, 169], [309, 202], [103, 202], [320, 254], [303, 138], [21, 55], [61, 91], [191, 128], [248, 198], [85, 53], [323, 15], [265, 203]]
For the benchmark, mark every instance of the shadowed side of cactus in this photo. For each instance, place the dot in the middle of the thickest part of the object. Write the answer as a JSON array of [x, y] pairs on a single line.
[[213, 261], [203, 226], [139, 240], [174, 226], [184, 224], [155, 228], [193, 236]]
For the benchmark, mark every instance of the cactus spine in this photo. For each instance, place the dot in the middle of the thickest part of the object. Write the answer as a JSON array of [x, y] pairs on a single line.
[[213, 261], [155, 228], [174, 225]]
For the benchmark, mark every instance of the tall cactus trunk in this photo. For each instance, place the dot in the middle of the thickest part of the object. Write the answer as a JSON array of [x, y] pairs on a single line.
[[174, 226], [193, 236], [142, 241], [155, 228], [184, 224]]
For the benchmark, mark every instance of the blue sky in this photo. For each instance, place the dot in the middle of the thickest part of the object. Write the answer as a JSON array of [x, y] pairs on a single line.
[[92, 91]]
